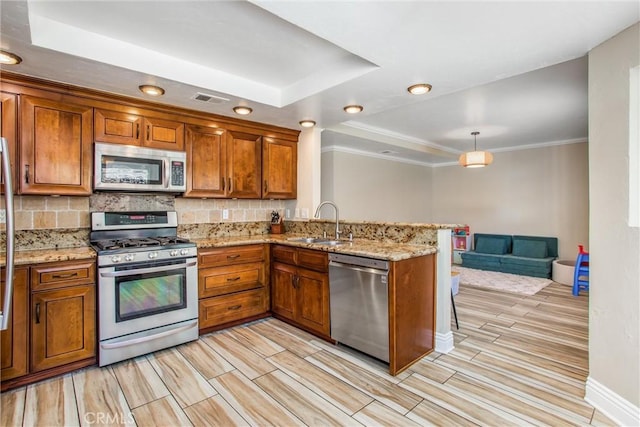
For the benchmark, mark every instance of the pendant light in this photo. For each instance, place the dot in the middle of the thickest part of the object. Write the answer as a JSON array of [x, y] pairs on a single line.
[[475, 158]]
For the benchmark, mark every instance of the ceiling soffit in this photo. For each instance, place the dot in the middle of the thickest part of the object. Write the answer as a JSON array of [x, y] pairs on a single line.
[[263, 58]]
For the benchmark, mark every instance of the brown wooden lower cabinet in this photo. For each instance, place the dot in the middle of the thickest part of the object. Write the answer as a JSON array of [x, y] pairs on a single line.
[[412, 285], [53, 322], [13, 340], [63, 328], [232, 286], [300, 288]]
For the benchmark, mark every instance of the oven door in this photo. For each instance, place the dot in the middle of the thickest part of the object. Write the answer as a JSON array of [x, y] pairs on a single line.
[[134, 298]]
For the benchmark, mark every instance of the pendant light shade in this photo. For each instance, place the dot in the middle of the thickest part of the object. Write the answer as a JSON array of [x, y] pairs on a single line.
[[475, 158]]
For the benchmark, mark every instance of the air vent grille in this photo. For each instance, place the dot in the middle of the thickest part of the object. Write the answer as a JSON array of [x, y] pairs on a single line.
[[212, 99]]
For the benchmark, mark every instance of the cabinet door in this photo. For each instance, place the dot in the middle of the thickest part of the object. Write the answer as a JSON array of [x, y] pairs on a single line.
[[283, 293], [280, 169], [63, 326], [163, 134], [117, 127], [206, 161], [313, 300], [244, 165], [13, 340], [9, 130], [56, 147]]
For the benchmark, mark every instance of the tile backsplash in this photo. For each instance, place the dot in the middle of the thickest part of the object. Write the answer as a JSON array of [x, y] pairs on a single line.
[[64, 212]]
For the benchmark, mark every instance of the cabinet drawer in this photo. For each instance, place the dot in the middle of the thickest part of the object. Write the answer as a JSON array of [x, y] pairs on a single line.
[[314, 260], [227, 256], [58, 275], [285, 254], [224, 280], [227, 308]]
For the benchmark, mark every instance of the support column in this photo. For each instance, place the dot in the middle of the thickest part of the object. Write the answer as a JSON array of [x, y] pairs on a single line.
[[444, 336]]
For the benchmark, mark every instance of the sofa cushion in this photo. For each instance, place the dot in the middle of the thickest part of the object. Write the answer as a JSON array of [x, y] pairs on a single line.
[[529, 248], [544, 263], [475, 258], [491, 245]]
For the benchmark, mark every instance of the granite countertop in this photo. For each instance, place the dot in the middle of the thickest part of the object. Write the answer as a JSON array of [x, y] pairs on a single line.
[[367, 248], [49, 255]]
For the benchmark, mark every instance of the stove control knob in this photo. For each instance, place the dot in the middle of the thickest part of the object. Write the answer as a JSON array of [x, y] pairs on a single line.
[[153, 255], [116, 258], [173, 253], [129, 257], [184, 251]]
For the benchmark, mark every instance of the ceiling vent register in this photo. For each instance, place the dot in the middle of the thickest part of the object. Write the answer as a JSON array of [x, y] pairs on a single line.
[[212, 99]]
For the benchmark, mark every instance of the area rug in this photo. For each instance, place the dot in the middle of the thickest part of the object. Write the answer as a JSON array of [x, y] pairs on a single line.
[[505, 282]]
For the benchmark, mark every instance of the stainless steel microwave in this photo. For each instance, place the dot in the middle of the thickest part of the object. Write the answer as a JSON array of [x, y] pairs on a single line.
[[130, 168]]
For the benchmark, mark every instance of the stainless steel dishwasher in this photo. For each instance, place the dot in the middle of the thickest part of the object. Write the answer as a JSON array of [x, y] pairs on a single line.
[[359, 303]]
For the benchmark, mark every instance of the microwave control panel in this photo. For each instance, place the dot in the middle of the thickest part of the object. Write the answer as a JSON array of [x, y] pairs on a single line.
[[177, 173]]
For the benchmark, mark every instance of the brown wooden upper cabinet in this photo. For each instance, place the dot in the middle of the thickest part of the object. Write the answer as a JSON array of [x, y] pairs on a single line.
[[223, 163], [132, 129], [279, 169], [206, 161], [244, 165], [55, 147], [9, 130]]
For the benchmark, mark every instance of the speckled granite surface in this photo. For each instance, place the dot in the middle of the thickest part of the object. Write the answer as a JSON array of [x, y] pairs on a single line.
[[38, 256], [362, 247], [390, 241]]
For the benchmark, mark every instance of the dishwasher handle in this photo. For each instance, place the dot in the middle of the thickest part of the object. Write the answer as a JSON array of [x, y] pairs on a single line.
[[358, 268]]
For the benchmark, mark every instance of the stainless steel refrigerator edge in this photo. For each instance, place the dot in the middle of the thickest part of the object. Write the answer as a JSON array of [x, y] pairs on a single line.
[[10, 235]]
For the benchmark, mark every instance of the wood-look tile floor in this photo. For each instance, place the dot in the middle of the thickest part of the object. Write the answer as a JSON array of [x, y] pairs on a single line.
[[518, 361]]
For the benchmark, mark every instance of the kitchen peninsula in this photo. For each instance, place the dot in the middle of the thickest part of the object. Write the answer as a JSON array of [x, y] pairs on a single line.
[[411, 248]]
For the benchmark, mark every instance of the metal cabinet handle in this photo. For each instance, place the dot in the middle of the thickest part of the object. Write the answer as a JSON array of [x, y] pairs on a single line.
[[296, 282], [148, 131], [230, 185], [223, 186], [234, 307], [137, 130], [233, 256], [26, 174], [37, 313], [265, 185], [64, 276], [233, 279]]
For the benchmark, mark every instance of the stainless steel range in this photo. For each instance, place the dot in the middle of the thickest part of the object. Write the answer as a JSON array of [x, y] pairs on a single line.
[[147, 284]]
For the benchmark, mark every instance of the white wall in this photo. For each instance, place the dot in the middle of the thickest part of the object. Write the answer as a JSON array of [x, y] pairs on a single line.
[[542, 192], [614, 295], [368, 188]]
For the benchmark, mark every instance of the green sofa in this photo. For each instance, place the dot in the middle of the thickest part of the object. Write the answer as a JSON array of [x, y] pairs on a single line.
[[525, 255]]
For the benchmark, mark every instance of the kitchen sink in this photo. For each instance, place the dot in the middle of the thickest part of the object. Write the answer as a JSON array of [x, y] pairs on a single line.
[[317, 240]]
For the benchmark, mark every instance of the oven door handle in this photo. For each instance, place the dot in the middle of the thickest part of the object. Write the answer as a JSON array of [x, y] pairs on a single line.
[[150, 337], [148, 270]]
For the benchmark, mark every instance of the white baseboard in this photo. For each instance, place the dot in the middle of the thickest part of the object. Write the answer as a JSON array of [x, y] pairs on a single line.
[[444, 342], [618, 409]]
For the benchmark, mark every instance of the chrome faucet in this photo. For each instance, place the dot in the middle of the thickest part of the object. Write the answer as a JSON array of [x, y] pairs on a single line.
[[317, 215]]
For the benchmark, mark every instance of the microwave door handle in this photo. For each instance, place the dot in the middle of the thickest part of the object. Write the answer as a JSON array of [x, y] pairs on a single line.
[[148, 270], [167, 173]]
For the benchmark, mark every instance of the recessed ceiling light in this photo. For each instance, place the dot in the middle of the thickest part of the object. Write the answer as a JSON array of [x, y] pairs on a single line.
[[307, 123], [419, 89], [353, 109], [151, 90], [243, 111], [9, 58]]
